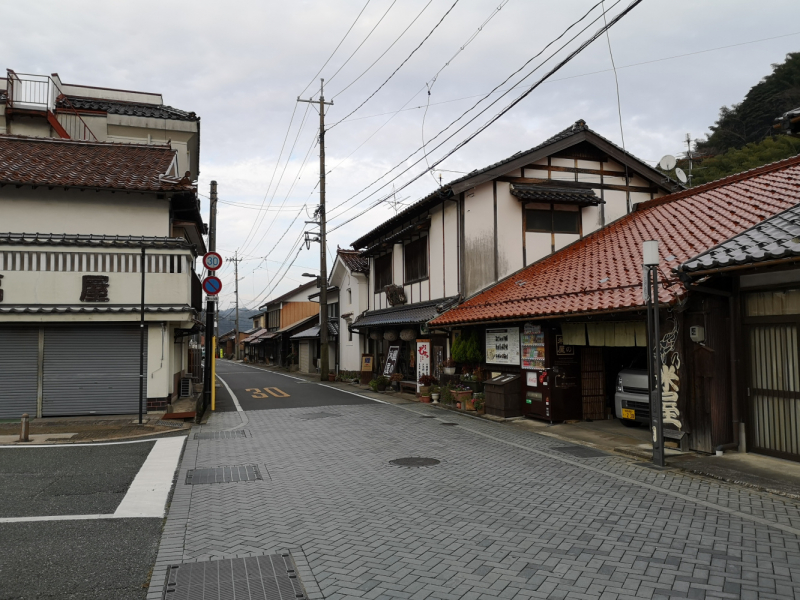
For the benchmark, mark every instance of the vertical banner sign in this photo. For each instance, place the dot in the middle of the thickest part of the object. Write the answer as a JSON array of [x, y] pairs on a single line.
[[391, 361], [423, 359]]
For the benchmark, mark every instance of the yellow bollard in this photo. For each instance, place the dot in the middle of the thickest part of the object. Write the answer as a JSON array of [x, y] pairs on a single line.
[[214, 373]]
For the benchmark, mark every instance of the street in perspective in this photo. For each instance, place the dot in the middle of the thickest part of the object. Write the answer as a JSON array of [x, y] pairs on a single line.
[[450, 306]]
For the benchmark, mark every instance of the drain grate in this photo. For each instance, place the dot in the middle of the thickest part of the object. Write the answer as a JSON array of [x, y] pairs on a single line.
[[223, 474], [581, 452], [220, 435], [270, 577], [427, 417], [319, 415], [451, 424], [170, 423], [414, 461]]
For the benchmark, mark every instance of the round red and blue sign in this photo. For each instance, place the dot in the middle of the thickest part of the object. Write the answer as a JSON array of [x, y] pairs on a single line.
[[212, 285], [212, 261]]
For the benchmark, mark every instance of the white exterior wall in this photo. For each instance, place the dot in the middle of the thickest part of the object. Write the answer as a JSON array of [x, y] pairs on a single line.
[[419, 291], [509, 231], [88, 212], [478, 238]]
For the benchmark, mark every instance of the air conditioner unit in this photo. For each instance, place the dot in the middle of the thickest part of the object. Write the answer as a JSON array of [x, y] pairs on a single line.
[[186, 387]]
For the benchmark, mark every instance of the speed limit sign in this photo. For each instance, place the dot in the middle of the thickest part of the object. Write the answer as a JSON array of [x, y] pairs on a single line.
[[212, 261]]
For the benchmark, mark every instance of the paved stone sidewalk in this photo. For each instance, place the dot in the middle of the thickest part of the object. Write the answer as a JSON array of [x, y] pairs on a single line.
[[506, 514]]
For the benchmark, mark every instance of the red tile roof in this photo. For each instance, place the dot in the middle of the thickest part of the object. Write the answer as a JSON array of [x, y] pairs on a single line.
[[603, 272], [68, 163]]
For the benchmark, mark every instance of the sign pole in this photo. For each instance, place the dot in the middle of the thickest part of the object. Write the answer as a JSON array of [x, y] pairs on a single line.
[[141, 344], [207, 382], [650, 272]]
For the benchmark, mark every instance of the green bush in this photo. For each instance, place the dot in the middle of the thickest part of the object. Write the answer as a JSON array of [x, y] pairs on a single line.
[[467, 349]]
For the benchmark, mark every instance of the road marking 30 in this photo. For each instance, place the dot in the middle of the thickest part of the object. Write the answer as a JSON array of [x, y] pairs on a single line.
[[272, 391]]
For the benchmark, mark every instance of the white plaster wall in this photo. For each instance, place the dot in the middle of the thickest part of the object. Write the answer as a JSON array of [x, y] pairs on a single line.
[[451, 275], [479, 238], [537, 245], [509, 231], [159, 376], [397, 264], [436, 254], [88, 212], [565, 239]]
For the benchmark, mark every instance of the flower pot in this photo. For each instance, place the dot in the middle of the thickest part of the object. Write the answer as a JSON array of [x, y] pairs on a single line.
[[481, 410], [458, 404], [463, 399], [331, 376], [381, 387], [449, 370], [469, 404], [435, 397], [425, 390], [425, 399]]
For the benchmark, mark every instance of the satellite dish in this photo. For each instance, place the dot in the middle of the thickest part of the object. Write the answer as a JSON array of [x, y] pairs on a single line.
[[667, 163], [681, 175]]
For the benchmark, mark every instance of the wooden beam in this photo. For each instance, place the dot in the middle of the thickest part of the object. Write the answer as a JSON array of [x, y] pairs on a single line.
[[577, 170], [580, 185]]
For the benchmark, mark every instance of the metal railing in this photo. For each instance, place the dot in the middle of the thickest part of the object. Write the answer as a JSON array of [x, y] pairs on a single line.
[[40, 93]]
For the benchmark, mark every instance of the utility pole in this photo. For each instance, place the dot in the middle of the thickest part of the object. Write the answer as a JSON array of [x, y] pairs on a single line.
[[211, 305], [323, 267], [236, 261], [689, 156]]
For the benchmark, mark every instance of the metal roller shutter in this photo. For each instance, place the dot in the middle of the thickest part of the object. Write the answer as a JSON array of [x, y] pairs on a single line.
[[91, 369], [19, 364]]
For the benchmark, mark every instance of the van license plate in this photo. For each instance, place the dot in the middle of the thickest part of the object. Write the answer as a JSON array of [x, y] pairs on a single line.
[[628, 413]]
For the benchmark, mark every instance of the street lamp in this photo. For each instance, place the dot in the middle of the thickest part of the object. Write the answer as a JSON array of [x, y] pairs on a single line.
[[650, 291]]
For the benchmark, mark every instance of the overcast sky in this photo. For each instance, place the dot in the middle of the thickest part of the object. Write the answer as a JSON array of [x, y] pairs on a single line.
[[241, 66]]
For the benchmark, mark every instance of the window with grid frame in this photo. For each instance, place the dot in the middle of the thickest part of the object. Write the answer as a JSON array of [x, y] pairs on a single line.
[[416, 260], [552, 221], [383, 272]]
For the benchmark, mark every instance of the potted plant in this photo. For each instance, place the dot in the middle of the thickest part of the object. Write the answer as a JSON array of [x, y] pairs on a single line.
[[435, 392], [479, 400], [331, 376], [462, 394], [426, 398], [396, 378], [381, 382], [449, 366], [425, 383]]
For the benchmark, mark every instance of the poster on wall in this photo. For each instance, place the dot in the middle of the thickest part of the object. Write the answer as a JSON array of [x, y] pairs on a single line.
[[391, 361], [423, 359], [502, 346]]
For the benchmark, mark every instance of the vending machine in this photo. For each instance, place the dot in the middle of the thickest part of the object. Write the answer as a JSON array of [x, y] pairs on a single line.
[[552, 375]]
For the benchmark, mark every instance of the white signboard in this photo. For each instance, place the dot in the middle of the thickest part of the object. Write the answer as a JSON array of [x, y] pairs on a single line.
[[502, 346], [423, 359]]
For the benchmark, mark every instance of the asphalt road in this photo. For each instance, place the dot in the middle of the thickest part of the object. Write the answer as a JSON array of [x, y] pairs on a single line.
[[257, 389], [73, 559]]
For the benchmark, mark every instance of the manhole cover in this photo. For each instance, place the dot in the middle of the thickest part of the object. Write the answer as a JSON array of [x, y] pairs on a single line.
[[220, 435], [581, 451], [271, 577], [223, 474], [414, 461], [451, 424], [319, 415]]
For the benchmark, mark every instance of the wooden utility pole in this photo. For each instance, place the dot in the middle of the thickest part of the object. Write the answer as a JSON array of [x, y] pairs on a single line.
[[323, 267]]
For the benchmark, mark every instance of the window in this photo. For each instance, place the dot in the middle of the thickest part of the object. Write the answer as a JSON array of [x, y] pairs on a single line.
[[333, 310], [274, 319], [416, 260], [383, 272], [553, 221]]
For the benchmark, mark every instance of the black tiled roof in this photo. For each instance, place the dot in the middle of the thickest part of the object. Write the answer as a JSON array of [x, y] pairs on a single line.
[[99, 241], [408, 314], [544, 193], [313, 332], [446, 191], [135, 109], [773, 238], [354, 261]]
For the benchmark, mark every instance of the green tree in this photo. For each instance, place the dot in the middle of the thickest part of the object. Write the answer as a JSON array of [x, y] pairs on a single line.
[[751, 120], [751, 156]]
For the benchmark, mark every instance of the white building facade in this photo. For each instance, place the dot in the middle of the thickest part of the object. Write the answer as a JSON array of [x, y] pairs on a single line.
[[481, 228]]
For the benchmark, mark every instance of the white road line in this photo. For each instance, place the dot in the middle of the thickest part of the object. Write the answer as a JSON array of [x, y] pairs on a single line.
[[23, 446], [242, 414], [147, 495], [353, 393]]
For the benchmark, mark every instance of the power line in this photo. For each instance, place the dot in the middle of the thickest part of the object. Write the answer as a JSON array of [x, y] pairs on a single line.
[[454, 121], [313, 79], [425, 39], [362, 43], [397, 39], [516, 101]]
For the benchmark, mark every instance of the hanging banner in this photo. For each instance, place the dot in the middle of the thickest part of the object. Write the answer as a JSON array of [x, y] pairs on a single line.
[[502, 346], [391, 361], [423, 359]]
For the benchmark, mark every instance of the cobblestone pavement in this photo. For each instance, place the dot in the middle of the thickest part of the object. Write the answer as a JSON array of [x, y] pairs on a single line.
[[506, 514]]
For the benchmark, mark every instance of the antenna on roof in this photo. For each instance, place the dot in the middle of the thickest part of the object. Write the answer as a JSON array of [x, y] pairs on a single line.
[[681, 175], [667, 162]]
